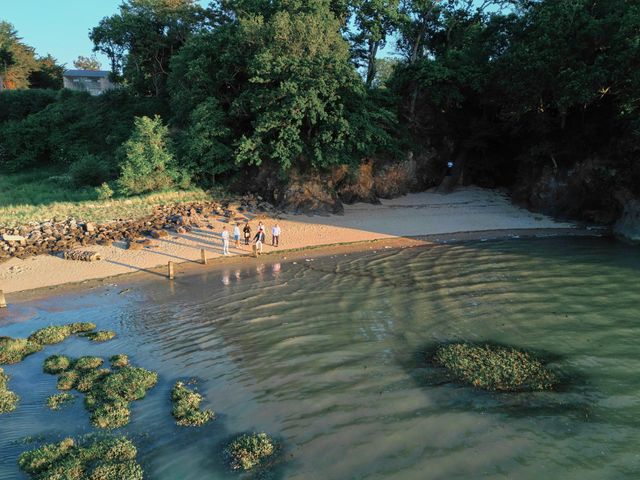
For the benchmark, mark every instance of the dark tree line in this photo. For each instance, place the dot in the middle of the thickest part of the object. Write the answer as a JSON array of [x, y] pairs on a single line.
[[505, 88]]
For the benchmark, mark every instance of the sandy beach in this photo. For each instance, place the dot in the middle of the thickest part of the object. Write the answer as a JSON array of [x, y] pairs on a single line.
[[409, 217]]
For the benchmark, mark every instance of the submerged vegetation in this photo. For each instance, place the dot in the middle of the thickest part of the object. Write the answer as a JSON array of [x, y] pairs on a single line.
[[248, 451], [495, 368], [57, 401], [100, 335], [107, 393], [186, 407], [106, 459], [8, 399]]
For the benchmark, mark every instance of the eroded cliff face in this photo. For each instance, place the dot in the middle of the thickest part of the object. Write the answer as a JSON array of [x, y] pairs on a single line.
[[627, 227]]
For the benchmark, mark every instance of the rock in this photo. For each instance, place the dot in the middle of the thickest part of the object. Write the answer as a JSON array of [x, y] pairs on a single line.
[[159, 233], [89, 228], [309, 194], [134, 246], [181, 230], [628, 225], [14, 238]]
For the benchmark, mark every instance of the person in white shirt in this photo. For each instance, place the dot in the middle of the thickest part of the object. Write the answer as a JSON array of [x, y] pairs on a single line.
[[225, 240], [236, 234], [275, 235]]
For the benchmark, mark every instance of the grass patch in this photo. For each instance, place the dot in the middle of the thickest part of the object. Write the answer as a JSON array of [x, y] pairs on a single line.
[[107, 393], [106, 459], [186, 407], [56, 364], [119, 361], [248, 451], [41, 195], [100, 335], [59, 400], [494, 368], [13, 350], [8, 399]]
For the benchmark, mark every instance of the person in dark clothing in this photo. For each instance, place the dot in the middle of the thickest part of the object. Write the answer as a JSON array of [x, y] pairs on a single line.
[[247, 233], [259, 239]]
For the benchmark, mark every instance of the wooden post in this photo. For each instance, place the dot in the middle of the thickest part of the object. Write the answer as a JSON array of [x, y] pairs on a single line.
[[170, 271], [3, 301], [203, 256]]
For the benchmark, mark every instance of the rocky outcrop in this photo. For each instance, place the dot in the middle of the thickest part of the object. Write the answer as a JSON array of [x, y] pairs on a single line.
[[627, 227], [310, 194], [582, 191], [66, 235]]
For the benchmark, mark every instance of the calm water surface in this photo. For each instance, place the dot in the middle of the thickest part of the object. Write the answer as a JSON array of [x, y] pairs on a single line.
[[328, 356]]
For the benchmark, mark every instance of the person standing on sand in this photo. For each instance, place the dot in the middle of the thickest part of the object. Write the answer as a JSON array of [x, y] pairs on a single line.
[[259, 239], [247, 233], [236, 234], [225, 240], [275, 235]]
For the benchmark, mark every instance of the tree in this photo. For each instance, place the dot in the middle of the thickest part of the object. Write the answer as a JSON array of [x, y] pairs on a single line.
[[18, 59], [87, 63], [48, 75], [147, 163], [141, 39]]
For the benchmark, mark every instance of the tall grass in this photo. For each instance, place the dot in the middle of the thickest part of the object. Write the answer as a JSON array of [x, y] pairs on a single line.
[[41, 195]]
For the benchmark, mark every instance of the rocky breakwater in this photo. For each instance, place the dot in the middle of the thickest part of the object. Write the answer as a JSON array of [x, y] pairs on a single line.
[[51, 237]]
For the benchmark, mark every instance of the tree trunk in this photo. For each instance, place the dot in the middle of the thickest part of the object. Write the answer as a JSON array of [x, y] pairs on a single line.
[[371, 67]]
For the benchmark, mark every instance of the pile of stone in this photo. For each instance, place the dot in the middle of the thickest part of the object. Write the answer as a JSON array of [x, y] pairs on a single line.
[[62, 236]]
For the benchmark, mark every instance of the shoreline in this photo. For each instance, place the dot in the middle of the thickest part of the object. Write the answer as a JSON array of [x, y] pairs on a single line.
[[416, 219], [191, 268]]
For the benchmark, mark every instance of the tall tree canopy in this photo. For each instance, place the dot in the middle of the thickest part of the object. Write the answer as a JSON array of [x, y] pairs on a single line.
[[87, 63], [141, 39], [17, 60]]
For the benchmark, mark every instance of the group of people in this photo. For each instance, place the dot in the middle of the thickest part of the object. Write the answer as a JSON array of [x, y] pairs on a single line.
[[259, 238]]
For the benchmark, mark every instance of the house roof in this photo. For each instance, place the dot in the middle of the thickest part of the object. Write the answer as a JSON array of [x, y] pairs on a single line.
[[86, 73]]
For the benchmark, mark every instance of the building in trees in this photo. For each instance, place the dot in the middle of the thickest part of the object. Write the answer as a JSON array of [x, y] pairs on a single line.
[[93, 81]]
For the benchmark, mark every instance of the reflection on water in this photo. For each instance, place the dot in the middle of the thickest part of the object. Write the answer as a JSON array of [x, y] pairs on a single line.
[[328, 356]]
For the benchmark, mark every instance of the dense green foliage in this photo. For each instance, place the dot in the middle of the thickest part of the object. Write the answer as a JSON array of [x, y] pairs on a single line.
[[59, 400], [494, 368], [107, 392], [243, 88], [8, 399], [186, 407], [248, 451], [103, 459]]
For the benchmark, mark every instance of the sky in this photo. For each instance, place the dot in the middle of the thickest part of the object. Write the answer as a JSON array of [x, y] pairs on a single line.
[[59, 27]]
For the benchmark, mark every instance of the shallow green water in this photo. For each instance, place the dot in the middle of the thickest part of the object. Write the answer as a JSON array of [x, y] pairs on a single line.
[[327, 355]]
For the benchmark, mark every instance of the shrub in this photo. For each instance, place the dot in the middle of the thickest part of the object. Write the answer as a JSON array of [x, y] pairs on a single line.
[[90, 170], [249, 450], [8, 399], [68, 380], [87, 363], [147, 161], [80, 327], [105, 459], [57, 401], [186, 407], [13, 350], [494, 368], [104, 191], [50, 335]]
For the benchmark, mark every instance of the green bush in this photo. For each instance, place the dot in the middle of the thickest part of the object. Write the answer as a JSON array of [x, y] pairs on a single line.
[[100, 336], [496, 368], [90, 170], [248, 451], [56, 364], [13, 350], [119, 361], [105, 459], [147, 161], [104, 192], [186, 407]]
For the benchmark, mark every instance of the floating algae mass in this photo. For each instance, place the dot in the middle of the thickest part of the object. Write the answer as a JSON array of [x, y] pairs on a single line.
[[119, 361], [100, 336], [494, 368], [107, 393], [57, 401], [13, 350], [8, 399], [105, 459], [248, 451], [186, 407]]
